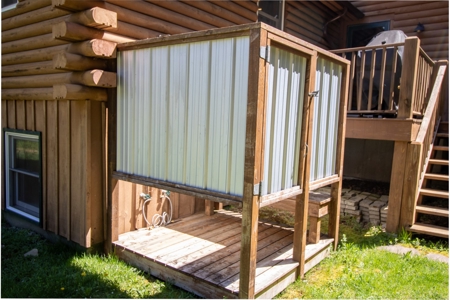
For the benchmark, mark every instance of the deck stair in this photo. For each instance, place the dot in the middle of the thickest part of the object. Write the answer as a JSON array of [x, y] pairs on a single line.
[[432, 212]]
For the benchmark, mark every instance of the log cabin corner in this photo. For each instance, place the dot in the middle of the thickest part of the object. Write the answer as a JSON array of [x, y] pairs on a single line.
[[74, 76]]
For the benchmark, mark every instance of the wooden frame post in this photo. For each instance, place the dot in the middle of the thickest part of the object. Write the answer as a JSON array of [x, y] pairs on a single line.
[[408, 79], [112, 186], [334, 208], [396, 186], [253, 161], [301, 201]]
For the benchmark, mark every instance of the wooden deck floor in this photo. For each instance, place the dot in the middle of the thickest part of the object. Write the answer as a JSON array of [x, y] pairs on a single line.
[[201, 254]]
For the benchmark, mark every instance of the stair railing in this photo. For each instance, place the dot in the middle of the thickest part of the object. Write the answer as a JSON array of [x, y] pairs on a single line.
[[419, 151]]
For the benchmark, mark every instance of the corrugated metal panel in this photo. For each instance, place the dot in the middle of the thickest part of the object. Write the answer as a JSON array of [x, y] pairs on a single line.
[[182, 113], [326, 118], [286, 85]]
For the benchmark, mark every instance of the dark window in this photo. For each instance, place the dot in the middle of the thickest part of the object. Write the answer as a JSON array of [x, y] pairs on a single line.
[[270, 12], [8, 4], [23, 173], [361, 34]]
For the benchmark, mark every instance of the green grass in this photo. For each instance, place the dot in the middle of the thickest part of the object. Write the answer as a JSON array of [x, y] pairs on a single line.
[[356, 270], [61, 272], [359, 270]]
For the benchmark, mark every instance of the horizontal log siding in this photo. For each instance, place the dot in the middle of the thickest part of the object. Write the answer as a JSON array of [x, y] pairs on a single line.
[[306, 20], [405, 15], [172, 17]]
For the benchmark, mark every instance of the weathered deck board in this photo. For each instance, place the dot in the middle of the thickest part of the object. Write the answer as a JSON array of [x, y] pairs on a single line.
[[205, 250]]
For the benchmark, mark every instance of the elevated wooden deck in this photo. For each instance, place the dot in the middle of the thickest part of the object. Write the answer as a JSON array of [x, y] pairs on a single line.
[[201, 254]]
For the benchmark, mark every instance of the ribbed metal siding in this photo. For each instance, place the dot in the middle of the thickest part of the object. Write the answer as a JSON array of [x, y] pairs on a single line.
[[286, 85], [182, 113], [326, 118]]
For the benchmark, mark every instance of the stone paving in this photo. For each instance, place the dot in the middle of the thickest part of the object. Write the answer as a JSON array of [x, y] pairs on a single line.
[[366, 207]]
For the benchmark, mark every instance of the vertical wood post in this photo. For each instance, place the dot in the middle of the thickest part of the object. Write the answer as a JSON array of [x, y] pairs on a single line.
[[396, 186], [334, 208], [301, 201], [209, 207], [252, 171], [408, 79], [112, 185], [410, 184]]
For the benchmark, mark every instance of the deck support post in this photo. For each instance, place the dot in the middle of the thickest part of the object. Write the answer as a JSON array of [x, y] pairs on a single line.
[[301, 201], [396, 187], [410, 184], [253, 164]]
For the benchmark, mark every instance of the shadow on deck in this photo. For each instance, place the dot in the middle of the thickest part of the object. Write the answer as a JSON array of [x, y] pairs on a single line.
[[201, 254]]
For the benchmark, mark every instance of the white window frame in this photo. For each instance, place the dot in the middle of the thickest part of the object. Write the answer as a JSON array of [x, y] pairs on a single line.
[[9, 7], [9, 136]]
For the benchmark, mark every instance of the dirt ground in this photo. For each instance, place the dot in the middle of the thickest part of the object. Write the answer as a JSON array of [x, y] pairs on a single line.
[[373, 187]]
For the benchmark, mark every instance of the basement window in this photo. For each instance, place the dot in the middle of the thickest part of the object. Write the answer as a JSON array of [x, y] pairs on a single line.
[[23, 173], [8, 4]]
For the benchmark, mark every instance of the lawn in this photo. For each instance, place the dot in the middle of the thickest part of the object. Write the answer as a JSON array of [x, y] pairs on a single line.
[[356, 270]]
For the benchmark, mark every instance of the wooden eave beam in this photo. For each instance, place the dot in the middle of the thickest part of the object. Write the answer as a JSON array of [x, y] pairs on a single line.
[[70, 31], [75, 62], [94, 48], [95, 17]]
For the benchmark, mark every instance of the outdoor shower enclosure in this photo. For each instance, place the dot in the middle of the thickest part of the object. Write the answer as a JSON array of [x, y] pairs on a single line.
[[247, 114]]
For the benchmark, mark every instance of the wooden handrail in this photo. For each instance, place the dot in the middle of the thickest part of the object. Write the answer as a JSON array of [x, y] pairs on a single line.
[[345, 50], [418, 152], [441, 67]]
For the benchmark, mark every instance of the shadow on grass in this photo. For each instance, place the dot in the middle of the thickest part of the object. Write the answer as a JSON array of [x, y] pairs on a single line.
[[59, 271]]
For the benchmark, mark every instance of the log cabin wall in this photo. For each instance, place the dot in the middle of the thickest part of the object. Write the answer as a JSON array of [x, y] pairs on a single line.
[[317, 22], [56, 67], [54, 82], [405, 15]]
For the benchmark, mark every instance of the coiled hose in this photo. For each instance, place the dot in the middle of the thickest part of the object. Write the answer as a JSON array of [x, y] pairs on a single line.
[[157, 219]]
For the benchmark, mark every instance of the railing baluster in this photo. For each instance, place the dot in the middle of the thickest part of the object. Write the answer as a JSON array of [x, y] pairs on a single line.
[[382, 75], [371, 78], [360, 79], [352, 78], [417, 76], [392, 83]]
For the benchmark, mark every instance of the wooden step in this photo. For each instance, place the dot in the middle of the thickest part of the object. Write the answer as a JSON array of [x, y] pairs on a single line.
[[434, 193], [432, 176], [435, 161], [440, 148], [429, 230], [432, 210], [442, 134]]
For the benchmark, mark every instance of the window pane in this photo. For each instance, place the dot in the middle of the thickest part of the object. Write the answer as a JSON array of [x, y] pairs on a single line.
[[8, 2], [26, 155], [26, 193], [271, 7]]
